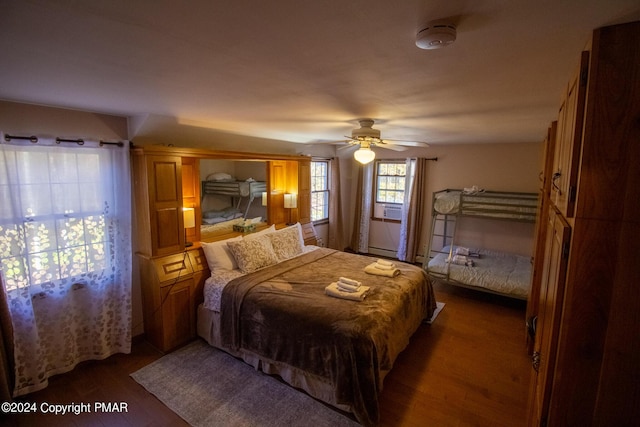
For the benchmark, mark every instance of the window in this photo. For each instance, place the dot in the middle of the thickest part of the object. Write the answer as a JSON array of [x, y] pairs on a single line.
[[390, 184], [64, 228], [319, 190]]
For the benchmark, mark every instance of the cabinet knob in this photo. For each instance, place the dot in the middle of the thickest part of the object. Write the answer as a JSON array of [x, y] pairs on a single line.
[[555, 186], [535, 360]]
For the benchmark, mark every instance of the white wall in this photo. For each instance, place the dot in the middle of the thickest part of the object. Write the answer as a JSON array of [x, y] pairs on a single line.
[[498, 167]]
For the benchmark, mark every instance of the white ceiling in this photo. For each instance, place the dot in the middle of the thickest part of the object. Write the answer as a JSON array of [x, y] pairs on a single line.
[[304, 71]]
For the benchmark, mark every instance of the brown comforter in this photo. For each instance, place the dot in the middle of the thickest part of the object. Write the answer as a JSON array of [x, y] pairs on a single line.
[[282, 314]]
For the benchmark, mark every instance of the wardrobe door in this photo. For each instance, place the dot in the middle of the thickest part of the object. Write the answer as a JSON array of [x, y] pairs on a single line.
[[566, 160], [540, 232], [549, 316], [164, 179]]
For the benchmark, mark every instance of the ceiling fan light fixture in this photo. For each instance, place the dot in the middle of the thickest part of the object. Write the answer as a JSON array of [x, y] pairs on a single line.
[[436, 35], [364, 155]]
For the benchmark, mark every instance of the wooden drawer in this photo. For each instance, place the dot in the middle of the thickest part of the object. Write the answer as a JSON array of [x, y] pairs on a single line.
[[171, 267], [198, 260]]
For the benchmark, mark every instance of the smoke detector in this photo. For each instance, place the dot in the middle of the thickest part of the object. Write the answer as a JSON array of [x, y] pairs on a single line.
[[436, 35]]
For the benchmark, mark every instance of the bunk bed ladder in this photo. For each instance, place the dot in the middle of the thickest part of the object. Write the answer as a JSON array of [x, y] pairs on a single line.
[[443, 230]]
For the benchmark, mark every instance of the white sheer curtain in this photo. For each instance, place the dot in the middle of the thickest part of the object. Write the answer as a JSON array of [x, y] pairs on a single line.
[[65, 253]]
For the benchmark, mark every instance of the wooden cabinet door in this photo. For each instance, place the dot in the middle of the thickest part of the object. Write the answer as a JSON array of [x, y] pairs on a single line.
[[191, 194], [549, 316], [564, 184], [178, 314], [164, 175], [304, 191], [276, 187], [540, 233], [282, 178]]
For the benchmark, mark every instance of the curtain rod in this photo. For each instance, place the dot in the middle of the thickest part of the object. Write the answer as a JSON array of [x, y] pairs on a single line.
[[76, 141], [79, 141], [31, 138], [118, 143]]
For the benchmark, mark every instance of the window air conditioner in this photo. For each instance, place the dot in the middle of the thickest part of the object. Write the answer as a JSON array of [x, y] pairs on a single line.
[[392, 212]]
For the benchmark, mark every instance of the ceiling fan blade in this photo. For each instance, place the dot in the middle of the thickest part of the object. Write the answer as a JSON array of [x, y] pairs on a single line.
[[348, 146], [336, 142], [393, 147], [405, 143]]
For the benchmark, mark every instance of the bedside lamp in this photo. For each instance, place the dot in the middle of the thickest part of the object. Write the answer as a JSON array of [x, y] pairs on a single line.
[[189, 218], [290, 202]]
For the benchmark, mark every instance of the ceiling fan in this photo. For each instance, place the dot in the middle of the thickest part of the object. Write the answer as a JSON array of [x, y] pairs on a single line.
[[366, 137]]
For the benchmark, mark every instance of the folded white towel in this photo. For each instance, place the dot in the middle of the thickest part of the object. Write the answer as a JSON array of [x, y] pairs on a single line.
[[384, 262], [347, 287], [348, 281], [333, 291], [462, 251], [461, 260], [458, 259], [385, 267], [473, 190], [374, 269]]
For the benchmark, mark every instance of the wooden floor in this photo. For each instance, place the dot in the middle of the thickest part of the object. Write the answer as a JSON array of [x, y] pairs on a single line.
[[469, 368]]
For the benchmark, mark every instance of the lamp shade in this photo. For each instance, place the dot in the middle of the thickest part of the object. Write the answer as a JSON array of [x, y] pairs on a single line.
[[290, 201], [189, 217], [364, 155]]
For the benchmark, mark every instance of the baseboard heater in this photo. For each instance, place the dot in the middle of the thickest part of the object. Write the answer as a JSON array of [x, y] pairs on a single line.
[[389, 253]]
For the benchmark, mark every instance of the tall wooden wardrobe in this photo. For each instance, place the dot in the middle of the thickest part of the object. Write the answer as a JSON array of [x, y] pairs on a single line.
[[586, 351], [172, 274]]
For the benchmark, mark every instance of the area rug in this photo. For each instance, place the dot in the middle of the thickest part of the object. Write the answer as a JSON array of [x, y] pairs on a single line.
[[439, 307], [208, 387]]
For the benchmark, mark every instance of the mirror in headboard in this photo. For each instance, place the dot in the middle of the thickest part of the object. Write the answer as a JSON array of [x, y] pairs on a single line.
[[232, 190], [169, 190]]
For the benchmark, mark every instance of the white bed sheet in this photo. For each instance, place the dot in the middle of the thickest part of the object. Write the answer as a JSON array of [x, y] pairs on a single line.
[[500, 272]]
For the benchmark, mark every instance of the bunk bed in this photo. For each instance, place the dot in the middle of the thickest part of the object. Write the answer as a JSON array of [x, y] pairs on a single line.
[[478, 268], [238, 190]]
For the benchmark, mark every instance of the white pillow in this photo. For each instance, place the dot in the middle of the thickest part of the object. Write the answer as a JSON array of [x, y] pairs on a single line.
[[253, 254], [218, 254], [219, 176], [300, 235], [268, 230], [286, 242]]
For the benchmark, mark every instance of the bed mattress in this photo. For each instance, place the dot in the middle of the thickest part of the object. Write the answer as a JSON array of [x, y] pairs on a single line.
[[511, 206], [495, 271]]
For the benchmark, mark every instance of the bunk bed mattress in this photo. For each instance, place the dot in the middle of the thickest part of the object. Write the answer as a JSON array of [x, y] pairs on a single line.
[[234, 188], [280, 320], [495, 271], [516, 207]]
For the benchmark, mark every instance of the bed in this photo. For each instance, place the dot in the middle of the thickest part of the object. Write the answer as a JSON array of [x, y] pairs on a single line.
[[224, 185], [279, 319], [489, 270]]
